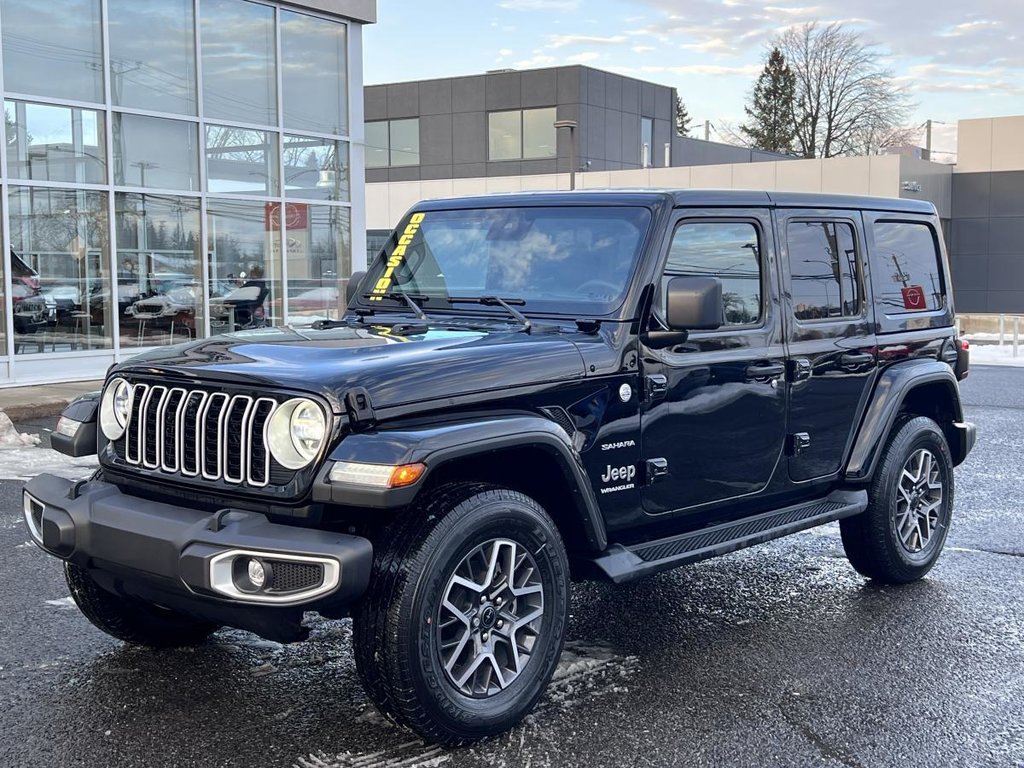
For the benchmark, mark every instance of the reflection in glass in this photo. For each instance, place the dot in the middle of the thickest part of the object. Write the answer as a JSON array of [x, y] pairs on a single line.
[[152, 55], [504, 136], [50, 143], [646, 142], [315, 169], [912, 279], [405, 142], [244, 245], [59, 239], [377, 144], [239, 76], [314, 82], [159, 269], [241, 161], [823, 269], [155, 152], [539, 133], [53, 48], [728, 251], [319, 261]]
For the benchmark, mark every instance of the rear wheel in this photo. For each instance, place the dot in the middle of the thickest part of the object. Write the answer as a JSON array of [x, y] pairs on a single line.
[[900, 536], [464, 622], [133, 621]]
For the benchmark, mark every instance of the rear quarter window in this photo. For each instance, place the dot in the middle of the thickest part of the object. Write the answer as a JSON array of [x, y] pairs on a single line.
[[906, 268]]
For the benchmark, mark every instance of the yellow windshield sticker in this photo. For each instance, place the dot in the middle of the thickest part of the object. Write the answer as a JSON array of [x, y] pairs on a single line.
[[397, 257]]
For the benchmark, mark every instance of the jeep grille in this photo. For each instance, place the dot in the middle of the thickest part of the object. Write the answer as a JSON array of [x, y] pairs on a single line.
[[212, 435]]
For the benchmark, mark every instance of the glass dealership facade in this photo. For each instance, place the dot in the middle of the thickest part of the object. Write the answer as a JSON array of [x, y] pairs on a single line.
[[173, 169]]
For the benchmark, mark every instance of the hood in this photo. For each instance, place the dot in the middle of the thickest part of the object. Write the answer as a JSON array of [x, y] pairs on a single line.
[[394, 369]]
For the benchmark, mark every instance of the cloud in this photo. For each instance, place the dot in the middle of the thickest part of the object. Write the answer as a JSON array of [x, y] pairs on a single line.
[[536, 61], [643, 48], [540, 5], [586, 57], [560, 41]]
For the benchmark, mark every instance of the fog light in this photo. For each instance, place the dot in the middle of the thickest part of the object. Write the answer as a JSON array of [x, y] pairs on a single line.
[[257, 575]]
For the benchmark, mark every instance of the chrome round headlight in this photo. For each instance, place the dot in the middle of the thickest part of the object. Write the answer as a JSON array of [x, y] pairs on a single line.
[[296, 432], [115, 408]]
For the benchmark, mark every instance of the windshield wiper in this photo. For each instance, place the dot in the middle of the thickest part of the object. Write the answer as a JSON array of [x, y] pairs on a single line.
[[495, 301], [410, 299]]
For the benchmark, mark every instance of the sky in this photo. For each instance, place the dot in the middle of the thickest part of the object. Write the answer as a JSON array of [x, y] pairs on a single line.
[[957, 59]]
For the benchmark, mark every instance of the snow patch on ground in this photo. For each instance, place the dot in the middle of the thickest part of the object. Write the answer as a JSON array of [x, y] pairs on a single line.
[[26, 463], [412, 754], [64, 602], [10, 437], [993, 354]]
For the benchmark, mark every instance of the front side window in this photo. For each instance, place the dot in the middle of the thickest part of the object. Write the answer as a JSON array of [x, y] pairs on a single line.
[[823, 270], [567, 260], [729, 251], [909, 272]]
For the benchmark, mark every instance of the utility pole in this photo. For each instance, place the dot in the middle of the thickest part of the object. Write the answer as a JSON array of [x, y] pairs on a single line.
[[928, 139], [707, 130]]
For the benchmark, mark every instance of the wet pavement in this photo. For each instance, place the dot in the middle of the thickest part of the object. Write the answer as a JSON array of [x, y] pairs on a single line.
[[778, 655]]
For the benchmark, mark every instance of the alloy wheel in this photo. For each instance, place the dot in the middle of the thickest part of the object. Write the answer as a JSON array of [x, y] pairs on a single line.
[[490, 618], [919, 495]]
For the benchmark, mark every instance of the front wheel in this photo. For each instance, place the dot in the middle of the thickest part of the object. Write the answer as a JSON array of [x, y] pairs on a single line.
[[910, 502], [465, 618]]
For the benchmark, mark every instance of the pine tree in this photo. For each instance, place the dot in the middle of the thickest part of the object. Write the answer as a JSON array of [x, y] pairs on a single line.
[[683, 118], [772, 125]]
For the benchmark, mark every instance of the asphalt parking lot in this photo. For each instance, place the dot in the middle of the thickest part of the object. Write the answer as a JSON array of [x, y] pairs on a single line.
[[778, 655]]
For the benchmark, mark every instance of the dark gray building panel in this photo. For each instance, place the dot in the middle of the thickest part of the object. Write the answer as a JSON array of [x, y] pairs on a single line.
[[468, 94], [503, 91], [613, 92], [403, 100], [436, 139], [540, 88], [569, 85], [987, 241], [630, 96], [436, 97], [469, 137], [375, 102]]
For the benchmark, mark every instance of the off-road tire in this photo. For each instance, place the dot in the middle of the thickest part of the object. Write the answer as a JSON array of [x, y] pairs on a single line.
[[396, 650], [134, 621], [870, 539]]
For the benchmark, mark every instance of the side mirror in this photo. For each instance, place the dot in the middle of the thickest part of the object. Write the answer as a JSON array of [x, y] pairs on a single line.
[[691, 304], [694, 304], [352, 287]]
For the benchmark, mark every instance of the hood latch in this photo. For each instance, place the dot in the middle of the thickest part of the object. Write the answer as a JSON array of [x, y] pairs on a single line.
[[359, 408]]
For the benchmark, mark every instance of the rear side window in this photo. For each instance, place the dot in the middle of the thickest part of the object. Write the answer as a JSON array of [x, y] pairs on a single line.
[[728, 250], [905, 265], [823, 270]]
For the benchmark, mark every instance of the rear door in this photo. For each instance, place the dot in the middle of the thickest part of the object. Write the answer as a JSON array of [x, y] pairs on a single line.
[[829, 335]]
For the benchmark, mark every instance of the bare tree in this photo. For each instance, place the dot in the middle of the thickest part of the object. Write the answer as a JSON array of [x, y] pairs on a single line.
[[845, 99]]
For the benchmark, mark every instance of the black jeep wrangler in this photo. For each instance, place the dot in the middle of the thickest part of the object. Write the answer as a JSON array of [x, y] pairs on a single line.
[[525, 390]]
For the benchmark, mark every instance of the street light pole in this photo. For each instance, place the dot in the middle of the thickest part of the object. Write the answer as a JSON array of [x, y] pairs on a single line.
[[572, 125]]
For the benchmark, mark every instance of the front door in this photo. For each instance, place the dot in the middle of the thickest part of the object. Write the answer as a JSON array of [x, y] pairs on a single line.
[[715, 407], [829, 333]]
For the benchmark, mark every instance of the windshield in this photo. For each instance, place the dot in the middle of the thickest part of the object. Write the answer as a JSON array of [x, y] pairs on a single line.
[[570, 259]]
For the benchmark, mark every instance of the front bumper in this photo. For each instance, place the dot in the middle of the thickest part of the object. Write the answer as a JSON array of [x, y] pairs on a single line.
[[183, 558]]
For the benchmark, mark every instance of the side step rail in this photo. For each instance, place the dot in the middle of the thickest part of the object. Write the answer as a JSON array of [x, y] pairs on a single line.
[[620, 564]]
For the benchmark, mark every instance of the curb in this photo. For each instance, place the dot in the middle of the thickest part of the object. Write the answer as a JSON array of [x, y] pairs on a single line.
[[30, 411]]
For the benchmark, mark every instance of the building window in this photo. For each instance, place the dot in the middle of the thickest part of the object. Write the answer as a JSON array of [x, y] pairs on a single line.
[[911, 276], [51, 143], [155, 152], [393, 143], [521, 134], [241, 161], [646, 142], [729, 251], [823, 270], [316, 169], [239, 74], [313, 77], [53, 49], [153, 55]]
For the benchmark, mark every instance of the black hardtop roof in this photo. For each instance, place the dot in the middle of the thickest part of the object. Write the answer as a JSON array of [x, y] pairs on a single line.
[[735, 198]]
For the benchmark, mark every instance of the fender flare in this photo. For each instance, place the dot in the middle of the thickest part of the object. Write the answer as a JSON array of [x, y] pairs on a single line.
[[438, 444], [894, 384]]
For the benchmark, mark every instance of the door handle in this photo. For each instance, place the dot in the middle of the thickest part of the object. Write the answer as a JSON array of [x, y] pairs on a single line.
[[856, 358], [765, 370]]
